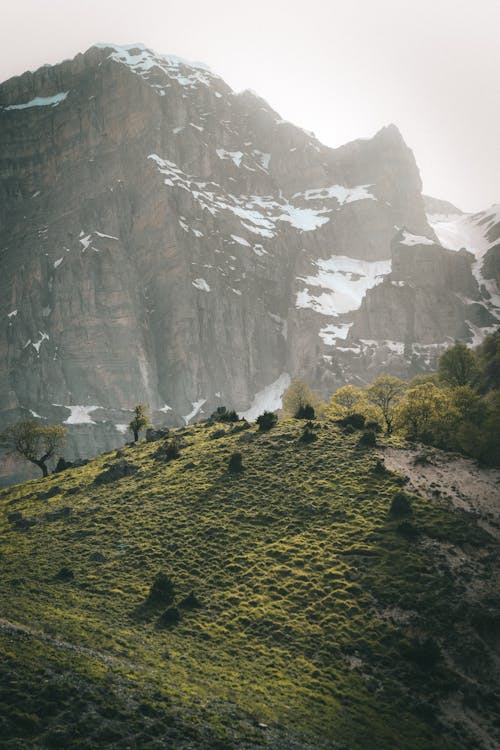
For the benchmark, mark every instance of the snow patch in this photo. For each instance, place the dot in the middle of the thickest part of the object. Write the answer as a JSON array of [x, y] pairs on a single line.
[[58, 262], [201, 284], [269, 398], [37, 344], [41, 101], [330, 333], [415, 239], [341, 194], [80, 414], [12, 314], [123, 428], [196, 408], [240, 240], [347, 281]]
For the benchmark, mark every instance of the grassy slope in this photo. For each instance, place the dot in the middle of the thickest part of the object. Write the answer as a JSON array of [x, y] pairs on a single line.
[[295, 561]]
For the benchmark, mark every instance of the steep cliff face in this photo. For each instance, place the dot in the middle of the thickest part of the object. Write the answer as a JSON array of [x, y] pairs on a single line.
[[166, 240]]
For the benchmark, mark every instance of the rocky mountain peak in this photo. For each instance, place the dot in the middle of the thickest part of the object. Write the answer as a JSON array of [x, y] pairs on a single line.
[[166, 240]]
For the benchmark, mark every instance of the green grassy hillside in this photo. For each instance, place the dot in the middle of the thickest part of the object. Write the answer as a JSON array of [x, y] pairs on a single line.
[[309, 616]]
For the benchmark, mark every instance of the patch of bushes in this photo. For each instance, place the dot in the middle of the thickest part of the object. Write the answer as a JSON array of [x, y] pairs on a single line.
[[235, 463], [222, 414], [267, 420], [169, 617], [308, 436], [368, 439], [355, 420], [305, 411], [168, 451], [162, 590], [400, 505]]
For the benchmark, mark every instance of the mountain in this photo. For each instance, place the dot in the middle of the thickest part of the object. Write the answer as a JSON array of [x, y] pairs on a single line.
[[304, 612], [167, 240]]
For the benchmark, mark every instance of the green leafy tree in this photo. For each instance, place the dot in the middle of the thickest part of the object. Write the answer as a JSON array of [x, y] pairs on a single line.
[[345, 401], [140, 420], [385, 393], [458, 366], [35, 442], [426, 411], [297, 396], [488, 355]]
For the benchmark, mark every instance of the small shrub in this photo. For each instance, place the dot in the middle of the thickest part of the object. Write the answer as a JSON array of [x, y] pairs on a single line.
[[374, 426], [169, 450], [64, 574], [221, 414], [162, 590], [190, 601], [400, 505], [305, 411], [216, 434], [408, 531], [368, 439], [235, 463], [424, 654], [308, 436], [355, 420], [267, 420], [169, 617], [379, 467]]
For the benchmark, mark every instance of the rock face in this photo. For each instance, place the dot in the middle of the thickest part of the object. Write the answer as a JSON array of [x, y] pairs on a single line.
[[166, 240]]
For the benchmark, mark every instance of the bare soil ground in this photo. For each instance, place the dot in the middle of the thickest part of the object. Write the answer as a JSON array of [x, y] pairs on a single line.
[[437, 474]]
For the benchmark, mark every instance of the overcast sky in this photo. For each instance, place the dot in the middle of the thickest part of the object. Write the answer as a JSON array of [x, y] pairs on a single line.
[[340, 68]]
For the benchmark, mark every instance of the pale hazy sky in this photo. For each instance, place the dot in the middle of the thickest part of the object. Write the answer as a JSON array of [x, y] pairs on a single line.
[[340, 68]]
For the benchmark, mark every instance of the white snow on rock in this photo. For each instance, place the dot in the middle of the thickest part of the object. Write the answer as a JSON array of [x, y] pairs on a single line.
[[341, 194], [80, 414], [196, 408], [201, 284], [123, 428], [240, 240], [107, 236], [269, 398], [235, 156], [415, 239], [346, 281], [330, 333], [258, 213], [37, 344], [143, 62], [12, 314], [34, 414], [58, 262], [165, 408], [469, 231], [41, 101]]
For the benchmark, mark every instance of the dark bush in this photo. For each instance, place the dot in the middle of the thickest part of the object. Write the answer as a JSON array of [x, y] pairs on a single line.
[[400, 505], [190, 601], [169, 617], [368, 439], [424, 654], [355, 420], [235, 463], [379, 467], [373, 426], [64, 574], [221, 414], [162, 590], [408, 531], [153, 434], [308, 436], [216, 434], [305, 411], [168, 451], [267, 420], [121, 468]]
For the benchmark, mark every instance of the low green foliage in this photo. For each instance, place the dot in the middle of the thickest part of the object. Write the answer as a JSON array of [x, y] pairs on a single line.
[[274, 621]]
